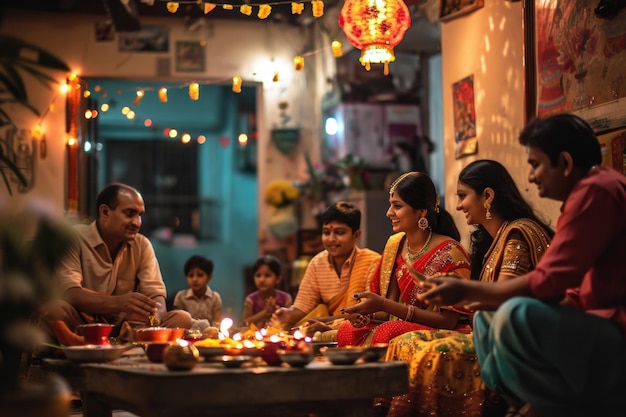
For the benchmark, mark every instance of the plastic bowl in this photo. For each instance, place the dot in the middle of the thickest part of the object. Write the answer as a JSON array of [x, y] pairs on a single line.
[[345, 355], [154, 334], [295, 358]]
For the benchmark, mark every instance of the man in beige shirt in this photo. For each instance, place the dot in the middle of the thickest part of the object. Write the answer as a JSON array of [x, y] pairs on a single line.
[[111, 274], [333, 275]]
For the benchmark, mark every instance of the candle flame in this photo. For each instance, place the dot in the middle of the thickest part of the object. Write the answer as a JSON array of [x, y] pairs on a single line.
[[226, 324]]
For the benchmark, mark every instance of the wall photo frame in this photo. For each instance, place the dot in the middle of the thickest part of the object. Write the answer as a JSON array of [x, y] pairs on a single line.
[[451, 9], [190, 56], [148, 39], [464, 113], [575, 62]]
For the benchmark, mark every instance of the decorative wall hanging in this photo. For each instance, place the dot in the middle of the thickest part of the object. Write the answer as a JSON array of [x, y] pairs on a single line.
[[451, 9], [148, 39], [285, 139], [190, 56], [464, 117], [575, 62]]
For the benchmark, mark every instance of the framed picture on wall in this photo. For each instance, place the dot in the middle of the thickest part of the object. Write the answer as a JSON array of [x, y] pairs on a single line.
[[451, 9], [148, 39], [575, 62], [190, 56], [464, 117], [613, 146]]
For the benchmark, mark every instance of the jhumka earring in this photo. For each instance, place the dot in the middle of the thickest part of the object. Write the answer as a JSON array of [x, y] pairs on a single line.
[[422, 223], [487, 206]]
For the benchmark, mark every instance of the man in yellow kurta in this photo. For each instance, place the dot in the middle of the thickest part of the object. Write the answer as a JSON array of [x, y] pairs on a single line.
[[333, 275]]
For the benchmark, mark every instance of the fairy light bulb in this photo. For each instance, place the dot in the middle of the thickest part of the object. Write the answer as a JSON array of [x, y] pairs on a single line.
[[163, 94], [237, 84]]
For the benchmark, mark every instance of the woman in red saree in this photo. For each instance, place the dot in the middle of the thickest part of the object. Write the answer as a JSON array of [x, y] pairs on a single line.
[[418, 222]]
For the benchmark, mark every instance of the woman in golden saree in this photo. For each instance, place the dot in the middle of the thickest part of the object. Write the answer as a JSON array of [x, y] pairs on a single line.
[[425, 240], [509, 240]]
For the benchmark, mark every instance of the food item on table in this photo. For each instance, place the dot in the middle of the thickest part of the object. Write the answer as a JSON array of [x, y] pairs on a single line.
[[211, 332], [327, 336], [180, 358]]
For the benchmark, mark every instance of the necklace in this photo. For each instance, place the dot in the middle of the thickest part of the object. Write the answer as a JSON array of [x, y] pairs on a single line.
[[413, 256]]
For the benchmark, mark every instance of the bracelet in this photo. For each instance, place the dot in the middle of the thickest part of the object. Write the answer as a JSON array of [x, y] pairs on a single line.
[[410, 310]]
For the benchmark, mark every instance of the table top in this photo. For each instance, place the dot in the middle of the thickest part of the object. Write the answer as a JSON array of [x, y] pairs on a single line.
[[136, 384]]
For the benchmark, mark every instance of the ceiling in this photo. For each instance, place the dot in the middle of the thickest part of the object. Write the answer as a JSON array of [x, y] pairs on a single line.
[[422, 38]]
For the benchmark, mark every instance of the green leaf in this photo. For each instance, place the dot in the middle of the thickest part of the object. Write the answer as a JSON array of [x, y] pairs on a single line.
[[13, 82], [17, 50], [42, 77], [6, 163]]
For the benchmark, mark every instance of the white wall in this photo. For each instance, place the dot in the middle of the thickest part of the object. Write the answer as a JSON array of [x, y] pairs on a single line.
[[488, 43], [252, 50]]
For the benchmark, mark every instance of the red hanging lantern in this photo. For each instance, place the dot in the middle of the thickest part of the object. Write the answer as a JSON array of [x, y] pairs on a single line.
[[375, 27]]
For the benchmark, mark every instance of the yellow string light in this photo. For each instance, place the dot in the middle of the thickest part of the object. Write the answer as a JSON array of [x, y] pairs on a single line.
[[264, 11], [172, 6], [237, 84], [245, 9], [298, 62], [337, 49], [194, 91], [163, 94], [318, 8], [297, 8], [139, 96], [227, 6]]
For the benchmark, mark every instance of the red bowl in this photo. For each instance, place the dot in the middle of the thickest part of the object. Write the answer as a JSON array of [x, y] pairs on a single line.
[[154, 334], [154, 351], [95, 333], [177, 333]]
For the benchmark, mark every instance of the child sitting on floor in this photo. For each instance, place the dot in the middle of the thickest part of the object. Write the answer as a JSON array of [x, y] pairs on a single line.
[[260, 305]]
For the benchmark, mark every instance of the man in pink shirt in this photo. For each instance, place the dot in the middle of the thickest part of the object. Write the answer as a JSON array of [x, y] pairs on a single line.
[[557, 339]]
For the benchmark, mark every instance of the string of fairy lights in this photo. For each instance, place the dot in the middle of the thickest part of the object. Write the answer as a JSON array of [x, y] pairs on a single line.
[[263, 11]]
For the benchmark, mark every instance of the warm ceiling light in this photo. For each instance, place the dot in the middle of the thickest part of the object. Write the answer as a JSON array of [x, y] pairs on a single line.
[[375, 27]]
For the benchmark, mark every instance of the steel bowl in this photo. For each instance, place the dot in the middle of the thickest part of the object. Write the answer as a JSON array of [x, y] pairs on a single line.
[[295, 358], [345, 355], [95, 353], [374, 352]]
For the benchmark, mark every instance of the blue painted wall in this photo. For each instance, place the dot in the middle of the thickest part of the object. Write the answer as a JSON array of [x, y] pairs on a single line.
[[233, 217]]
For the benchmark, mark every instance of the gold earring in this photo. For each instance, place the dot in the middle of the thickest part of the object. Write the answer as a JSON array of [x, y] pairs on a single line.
[[487, 206]]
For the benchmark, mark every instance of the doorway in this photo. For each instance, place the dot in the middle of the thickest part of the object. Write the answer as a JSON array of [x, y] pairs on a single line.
[[198, 181]]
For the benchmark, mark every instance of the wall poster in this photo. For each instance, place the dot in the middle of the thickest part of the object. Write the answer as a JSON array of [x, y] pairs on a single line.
[[576, 62], [464, 117]]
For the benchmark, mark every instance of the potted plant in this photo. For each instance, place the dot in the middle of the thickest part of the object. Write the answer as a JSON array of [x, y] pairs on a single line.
[[16, 58], [31, 245]]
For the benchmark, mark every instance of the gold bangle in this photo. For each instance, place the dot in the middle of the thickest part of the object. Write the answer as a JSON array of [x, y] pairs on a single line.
[[410, 310]]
